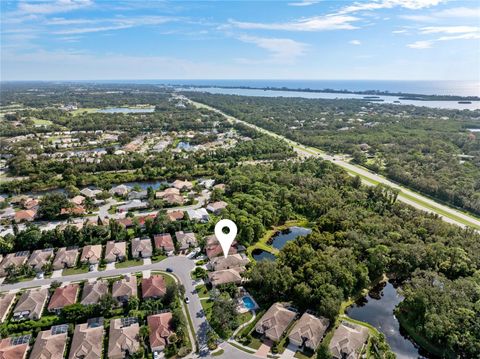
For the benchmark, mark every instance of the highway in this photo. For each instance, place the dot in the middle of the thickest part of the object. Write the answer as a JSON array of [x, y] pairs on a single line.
[[448, 214]]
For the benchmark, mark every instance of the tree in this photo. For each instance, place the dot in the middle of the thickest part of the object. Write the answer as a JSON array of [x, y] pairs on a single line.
[[51, 205]]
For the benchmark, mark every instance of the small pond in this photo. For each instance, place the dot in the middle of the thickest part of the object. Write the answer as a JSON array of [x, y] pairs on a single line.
[[144, 185], [259, 255], [127, 110], [377, 310], [280, 239]]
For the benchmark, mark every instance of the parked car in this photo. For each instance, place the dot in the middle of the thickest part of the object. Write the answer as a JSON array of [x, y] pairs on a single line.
[[187, 300], [169, 270]]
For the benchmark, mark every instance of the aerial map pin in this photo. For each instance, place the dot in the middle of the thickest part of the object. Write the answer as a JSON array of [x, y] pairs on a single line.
[[225, 239]]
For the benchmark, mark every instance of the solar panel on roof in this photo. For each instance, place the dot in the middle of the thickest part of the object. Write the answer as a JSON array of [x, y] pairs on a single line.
[[22, 254], [126, 322], [72, 248], [59, 329], [94, 322], [20, 340]]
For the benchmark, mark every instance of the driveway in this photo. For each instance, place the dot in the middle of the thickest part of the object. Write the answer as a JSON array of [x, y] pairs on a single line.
[[289, 352]]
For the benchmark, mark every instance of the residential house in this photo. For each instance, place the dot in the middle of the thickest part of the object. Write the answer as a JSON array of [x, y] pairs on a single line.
[[217, 207], [31, 204], [308, 331], [182, 185], [175, 216], [115, 251], [164, 242], [27, 215], [91, 254], [132, 206], [207, 183], [214, 249], [6, 303], [232, 275], [220, 187], [51, 343], [185, 240], [154, 287], [275, 321], [77, 200], [63, 296], [93, 292], [127, 222], [137, 195], [87, 342], [199, 215], [125, 288], [123, 338], [348, 341], [15, 347], [173, 199], [120, 190], [13, 260], [40, 258], [161, 328], [66, 258], [31, 304], [87, 192], [73, 211], [142, 248], [231, 261], [166, 192], [7, 213]]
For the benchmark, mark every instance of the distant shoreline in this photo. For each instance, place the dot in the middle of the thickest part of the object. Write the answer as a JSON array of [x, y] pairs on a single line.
[[367, 93]]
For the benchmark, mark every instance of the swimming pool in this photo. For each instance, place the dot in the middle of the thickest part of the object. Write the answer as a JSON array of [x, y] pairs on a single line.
[[248, 303]]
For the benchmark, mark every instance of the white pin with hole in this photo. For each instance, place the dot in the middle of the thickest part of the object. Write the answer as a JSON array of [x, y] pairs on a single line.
[[225, 239]]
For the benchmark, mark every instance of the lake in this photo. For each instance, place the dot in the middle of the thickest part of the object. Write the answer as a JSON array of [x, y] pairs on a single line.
[[452, 105], [280, 239], [260, 255], [377, 310], [127, 110]]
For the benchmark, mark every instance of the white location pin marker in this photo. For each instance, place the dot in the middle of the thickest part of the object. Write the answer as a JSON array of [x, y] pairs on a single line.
[[225, 239]]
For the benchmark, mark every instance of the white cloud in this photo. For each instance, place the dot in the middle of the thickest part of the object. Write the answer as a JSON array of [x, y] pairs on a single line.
[[281, 50], [388, 4], [316, 23], [424, 44], [451, 33], [355, 42], [449, 29], [402, 31], [459, 12], [53, 6], [303, 3]]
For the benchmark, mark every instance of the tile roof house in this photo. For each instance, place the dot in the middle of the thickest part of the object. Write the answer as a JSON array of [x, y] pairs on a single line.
[[142, 248], [91, 254], [26, 215], [62, 297], [161, 328], [175, 216], [232, 261], [6, 303], [87, 192], [87, 342], [31, 304], [166, 192], [200, 215], [225, 276], [11, 348], [173, 199], [308, 331], [120, 190], [127, 222], [214, 249], [124, 288], [186, 240], [115, 251], [92, 292], [123, 338], [31, 204], [77, 200], [154, 287], [51, 344], [76, 210], [348, 341], [13, 260], [66, 258], [182, 185], [164, 242], [39, 258], [275, 321], [138, 195], [217, 207]]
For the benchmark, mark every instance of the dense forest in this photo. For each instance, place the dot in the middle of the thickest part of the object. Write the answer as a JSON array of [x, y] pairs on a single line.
[[429, 150]]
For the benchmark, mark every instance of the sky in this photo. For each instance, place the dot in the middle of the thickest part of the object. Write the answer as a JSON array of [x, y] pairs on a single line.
[[296, 39]]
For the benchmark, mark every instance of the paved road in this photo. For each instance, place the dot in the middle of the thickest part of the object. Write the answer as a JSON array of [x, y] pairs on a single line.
[[448, 214]]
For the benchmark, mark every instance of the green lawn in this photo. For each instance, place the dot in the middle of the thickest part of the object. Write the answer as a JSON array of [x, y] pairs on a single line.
[[72, 271], [129, 263], [202, 291], [158, 258], [207, 308], [245, 317], [217, 353], [37, 121]]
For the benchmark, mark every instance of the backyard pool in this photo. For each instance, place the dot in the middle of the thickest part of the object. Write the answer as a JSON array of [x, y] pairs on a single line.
[[248, 303]]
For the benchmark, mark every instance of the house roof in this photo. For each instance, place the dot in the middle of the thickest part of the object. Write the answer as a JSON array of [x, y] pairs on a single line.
[[31, 203], [40, 257], [25, 215], [92, 292], [232, 261], [114, 250], [225, 276], [87, 342], [164, 241], [6, 301], [175, 215], [198, 214], [275, 321], [49, 345], [91, 253], [154, 286], [309, 328], [216, 206], [161, 327], [9, 350], [63, 296], [122, 337], [78, 210], [13, 259], [168, 191], [182, 184], [347, 340], [32, 301], [125, 287], [141, 245], [78, 200], [186, 239], [214, 249], [87, 192], [173, 199], [65, 256]]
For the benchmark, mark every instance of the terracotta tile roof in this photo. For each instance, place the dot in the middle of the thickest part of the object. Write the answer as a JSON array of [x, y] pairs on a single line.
[[232, 261], [32, 301], [141, 248], [63, 296], [65, 257], [6, 302], [92, 292], [87, 342], [40, 257], [225, 276], [115, 250], [77, 200], [25, 215], [13, 259], [125, 287], [275, 321], [175, 215], [9, 351], [161, 327], [127, 221], [164, 241], [122, 338], [182, 184], [214, 249], [49, 345], [91, 254], [154, 287]]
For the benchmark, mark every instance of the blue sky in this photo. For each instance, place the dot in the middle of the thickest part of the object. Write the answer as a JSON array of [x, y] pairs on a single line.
[[297, 39]]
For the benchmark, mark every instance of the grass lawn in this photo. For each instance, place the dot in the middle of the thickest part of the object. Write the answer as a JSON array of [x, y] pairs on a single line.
[[217, 353], [37, 121], [243, 349], [72, 271], [129, 263], [301, 355], [82, 110], [207, 308], [245, 317], [202, 291], [168, 277], [158, 258]]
